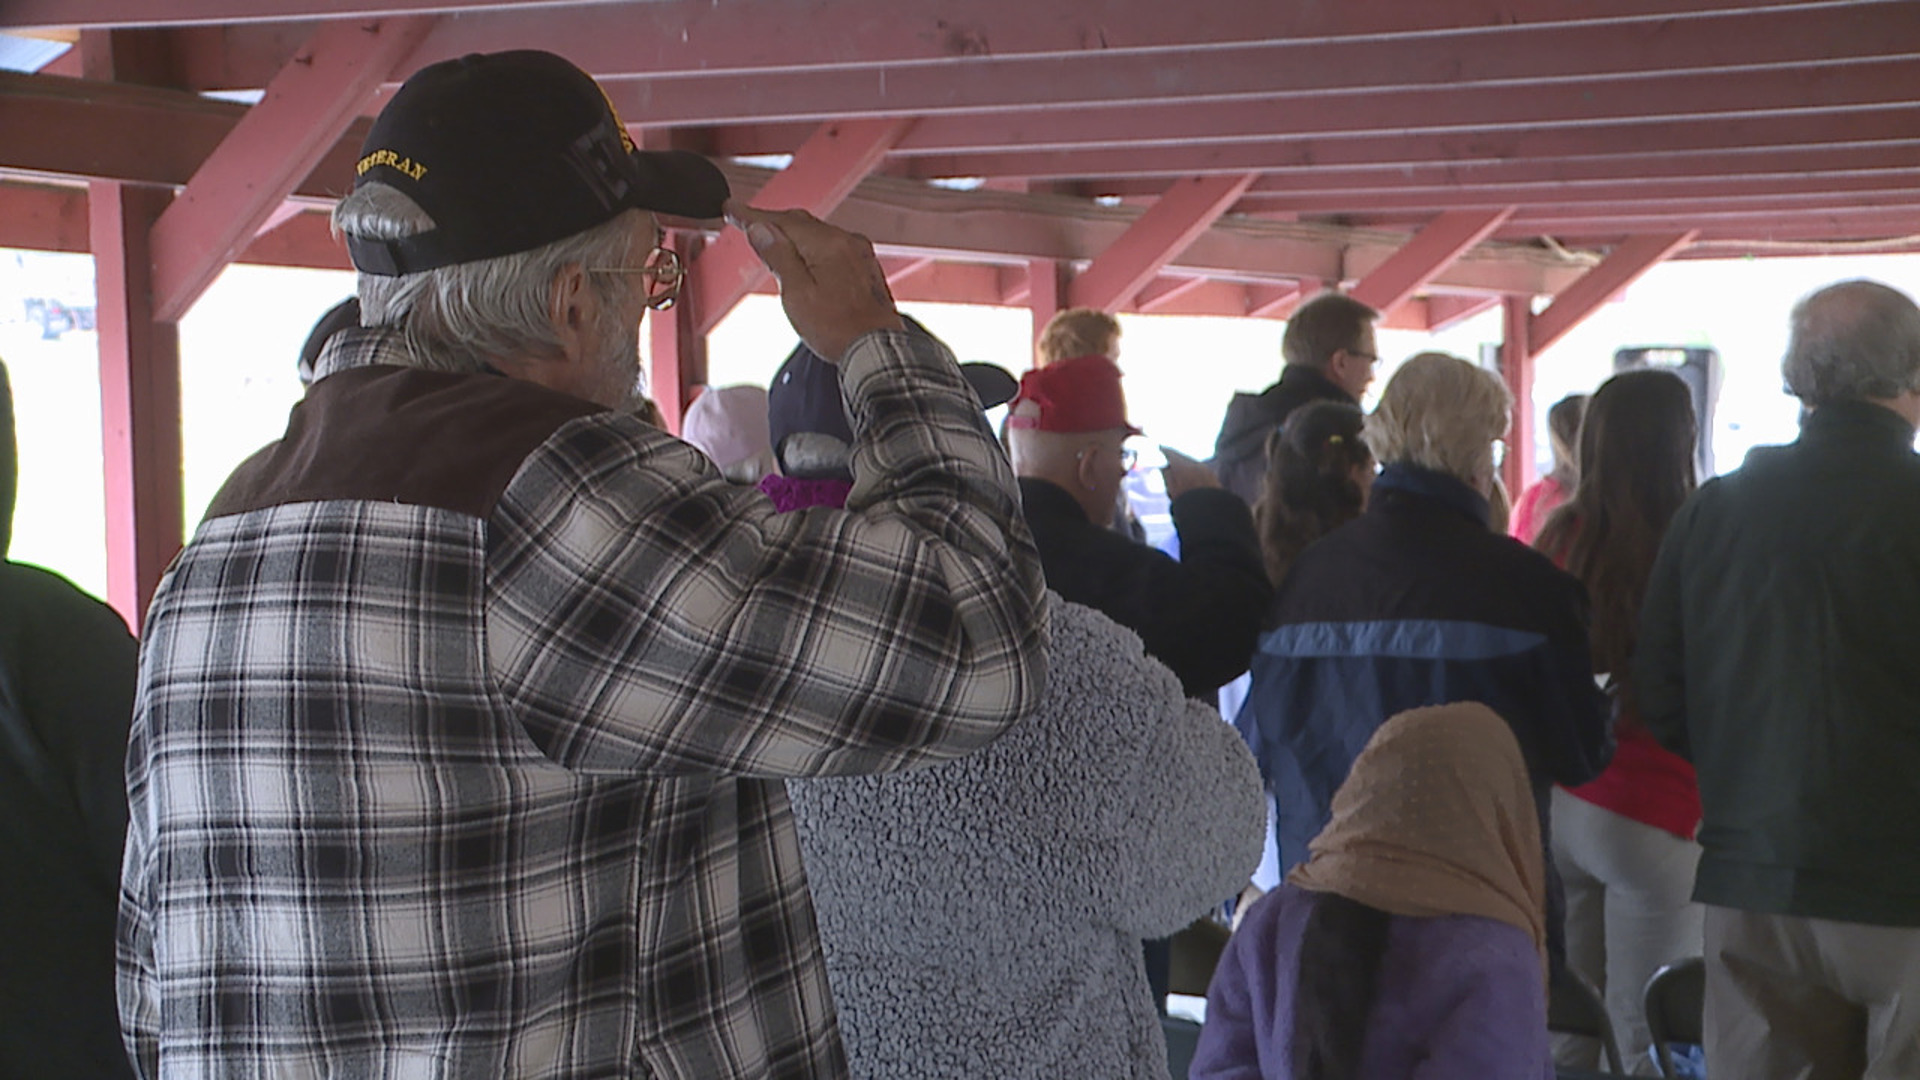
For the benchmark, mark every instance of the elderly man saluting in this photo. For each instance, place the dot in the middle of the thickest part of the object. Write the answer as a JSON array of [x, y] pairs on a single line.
[[464, 715]]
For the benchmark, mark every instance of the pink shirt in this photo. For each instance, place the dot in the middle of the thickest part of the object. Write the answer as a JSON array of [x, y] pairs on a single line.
[[1536, 504]]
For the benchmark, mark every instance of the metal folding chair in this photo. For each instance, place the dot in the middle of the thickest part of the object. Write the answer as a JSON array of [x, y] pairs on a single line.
[[1574, 1007], [1675, 1001]]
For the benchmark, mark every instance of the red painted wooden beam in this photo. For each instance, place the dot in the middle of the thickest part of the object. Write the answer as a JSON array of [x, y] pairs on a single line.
[[1046, 294], [54, 14], [1274, 301], [104, 130], [823, 173], [900, 268], [279, 141], [1621, 268], [41, 218], [1445, 310], [747, 34], [1264, 69], [1709, 147], [1731, 190], [1824, 84], [1522, 181], [953, 283], [1168, 227], [1162, 291], [139, 399], [1903, 207], [139, 357], [305, 240], [285, 212], [1517, 351], [1426, 256]]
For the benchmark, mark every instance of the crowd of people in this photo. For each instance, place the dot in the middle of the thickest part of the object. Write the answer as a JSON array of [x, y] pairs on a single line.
[[484, 729]]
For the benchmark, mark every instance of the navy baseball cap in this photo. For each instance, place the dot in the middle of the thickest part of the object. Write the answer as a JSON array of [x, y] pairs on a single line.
[[805, 395], [511, 151]]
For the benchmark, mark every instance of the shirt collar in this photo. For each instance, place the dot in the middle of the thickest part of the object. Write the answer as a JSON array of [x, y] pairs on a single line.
[[1315, 380], [1447, 490], [365, 346], [1877, 422], [361, 346], [1049, 498]]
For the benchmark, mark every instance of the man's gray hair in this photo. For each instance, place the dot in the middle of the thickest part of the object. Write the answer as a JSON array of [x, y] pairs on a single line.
[[1857, 340], [462, 317], [1441, 412]]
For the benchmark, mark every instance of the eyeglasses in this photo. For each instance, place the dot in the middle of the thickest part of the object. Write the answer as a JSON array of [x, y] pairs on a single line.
[[663, 272], [1371, 358]]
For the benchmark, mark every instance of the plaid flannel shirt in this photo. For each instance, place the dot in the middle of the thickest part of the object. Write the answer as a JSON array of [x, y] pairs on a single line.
[[463, 718]]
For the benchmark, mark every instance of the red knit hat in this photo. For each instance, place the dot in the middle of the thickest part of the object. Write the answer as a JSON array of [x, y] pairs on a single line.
[[1077, 395]]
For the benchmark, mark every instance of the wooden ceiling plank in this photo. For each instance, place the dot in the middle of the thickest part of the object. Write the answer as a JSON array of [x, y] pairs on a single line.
[[113, 14], [668, 37], [1284, 158], [881, 28], [1786, 188], [1709, 168], [1841, 83], [1510, 57]]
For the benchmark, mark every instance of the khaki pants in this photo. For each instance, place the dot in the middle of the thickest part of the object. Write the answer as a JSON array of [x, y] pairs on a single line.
[[1791, 998]]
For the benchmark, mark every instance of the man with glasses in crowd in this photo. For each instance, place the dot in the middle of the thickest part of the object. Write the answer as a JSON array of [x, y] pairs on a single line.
[[465, 713], [1330, 356]]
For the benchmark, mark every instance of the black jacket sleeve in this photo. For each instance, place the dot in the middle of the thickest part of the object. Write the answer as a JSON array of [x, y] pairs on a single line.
[[1203, 612]]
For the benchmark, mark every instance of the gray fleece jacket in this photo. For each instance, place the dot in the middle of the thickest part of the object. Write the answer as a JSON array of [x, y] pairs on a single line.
[[982, 918]]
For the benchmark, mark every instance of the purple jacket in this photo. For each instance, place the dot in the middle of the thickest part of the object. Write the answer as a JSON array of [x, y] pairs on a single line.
[[1460, 998]]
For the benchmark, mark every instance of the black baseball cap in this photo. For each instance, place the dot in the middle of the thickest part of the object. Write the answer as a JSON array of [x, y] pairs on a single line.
[[511, 151]]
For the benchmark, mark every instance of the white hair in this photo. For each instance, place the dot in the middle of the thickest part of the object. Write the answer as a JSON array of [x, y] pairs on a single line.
[[1857, 340], [460, 317], [1442, 413]]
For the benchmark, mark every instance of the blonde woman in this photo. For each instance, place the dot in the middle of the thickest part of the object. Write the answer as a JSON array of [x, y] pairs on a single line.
[[1417, 602]]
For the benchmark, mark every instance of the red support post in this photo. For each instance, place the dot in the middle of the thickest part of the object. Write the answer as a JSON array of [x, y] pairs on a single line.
[[1181, 214], [824, 171], [1426, 256], [1516, 365], [139, 398], [1046, 292], [139, 354], [679, 351]]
